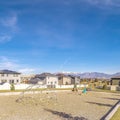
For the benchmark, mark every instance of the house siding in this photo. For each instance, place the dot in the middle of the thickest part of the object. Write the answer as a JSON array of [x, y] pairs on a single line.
[[51, 80], [115, 81], [64, 80], [10, 78]]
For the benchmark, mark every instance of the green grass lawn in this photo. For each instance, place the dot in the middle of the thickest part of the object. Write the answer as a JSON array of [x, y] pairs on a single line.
[[116, 116]]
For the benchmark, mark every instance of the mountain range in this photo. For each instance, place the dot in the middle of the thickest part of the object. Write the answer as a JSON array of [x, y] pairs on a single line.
[[92, 75]]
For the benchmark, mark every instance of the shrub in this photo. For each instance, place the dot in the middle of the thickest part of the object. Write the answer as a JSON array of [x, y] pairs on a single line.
[[12, 87], [105, 87]]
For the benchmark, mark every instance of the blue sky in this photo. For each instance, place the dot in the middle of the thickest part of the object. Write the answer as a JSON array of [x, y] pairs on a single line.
[[67, 35]]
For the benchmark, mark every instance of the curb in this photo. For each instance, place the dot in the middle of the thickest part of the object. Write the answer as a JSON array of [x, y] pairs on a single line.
[[111, 112]]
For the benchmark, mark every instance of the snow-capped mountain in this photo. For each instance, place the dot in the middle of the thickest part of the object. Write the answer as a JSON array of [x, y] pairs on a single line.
[[92, 74]]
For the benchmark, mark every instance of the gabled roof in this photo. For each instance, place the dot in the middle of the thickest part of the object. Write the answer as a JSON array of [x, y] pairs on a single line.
[[62, 75], [36, 79], [8, 72]]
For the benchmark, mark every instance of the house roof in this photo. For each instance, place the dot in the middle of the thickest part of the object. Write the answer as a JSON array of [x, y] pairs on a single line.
[[115, 77], [8, 72], [62, 75], [36, 79]]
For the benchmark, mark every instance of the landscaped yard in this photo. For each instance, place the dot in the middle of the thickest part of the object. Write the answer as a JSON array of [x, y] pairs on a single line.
[[116, 116], [57, 106]]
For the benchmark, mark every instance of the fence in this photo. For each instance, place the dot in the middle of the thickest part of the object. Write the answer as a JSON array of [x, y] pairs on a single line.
[[7, 86]]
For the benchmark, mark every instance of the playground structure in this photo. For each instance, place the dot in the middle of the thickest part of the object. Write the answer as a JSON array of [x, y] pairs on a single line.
[[84, 90], [75, 89], [34, 94]]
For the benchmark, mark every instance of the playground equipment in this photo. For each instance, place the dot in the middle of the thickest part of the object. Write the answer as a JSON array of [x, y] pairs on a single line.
[[37, 94], [84, 90], [75, 89]]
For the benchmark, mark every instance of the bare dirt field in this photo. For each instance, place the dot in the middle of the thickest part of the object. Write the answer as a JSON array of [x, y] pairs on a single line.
[[59, 106]]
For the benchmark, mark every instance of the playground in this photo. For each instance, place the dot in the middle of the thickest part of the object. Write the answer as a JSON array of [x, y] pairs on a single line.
[[57, 106]]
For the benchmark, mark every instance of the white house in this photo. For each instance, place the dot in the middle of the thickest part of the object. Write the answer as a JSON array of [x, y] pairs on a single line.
[[9, 76], [45, 79]]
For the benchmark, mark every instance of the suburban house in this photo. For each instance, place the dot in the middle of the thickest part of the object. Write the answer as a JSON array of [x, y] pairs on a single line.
[[9, 76], [75, 79], [48, 79], [64, 79], [25, 78], [115, 81]]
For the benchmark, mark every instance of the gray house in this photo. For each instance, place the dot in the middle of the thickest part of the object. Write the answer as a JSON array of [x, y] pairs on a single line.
[[48, 79], [115, 81], [9, 76], [64, 79], [75, 79]]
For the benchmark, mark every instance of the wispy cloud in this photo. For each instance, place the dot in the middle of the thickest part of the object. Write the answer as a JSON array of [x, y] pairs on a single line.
[[51, 38], [65, 2], [100, 3], [8, 26], [5, 38], [108, 3], [27, 70], [63, 65], [10, 21], [21, 2], [6, 63]]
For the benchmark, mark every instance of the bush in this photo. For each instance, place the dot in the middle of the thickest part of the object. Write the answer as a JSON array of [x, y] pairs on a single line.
[[105, 87], [12, 87]]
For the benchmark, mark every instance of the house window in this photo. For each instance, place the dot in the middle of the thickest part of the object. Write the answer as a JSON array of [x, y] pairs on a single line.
[[55, 82], [17, 81], [3, 81], [51, 83], [12, 81], [15, 75], [2, 75]]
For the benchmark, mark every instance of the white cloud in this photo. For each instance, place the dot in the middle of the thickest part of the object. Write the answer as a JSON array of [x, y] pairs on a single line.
[[6, 63], [66, 2], [5, 38], [11, 64], [8, 26], [107, 3], [10, 21], [21, 2], [27, 70]]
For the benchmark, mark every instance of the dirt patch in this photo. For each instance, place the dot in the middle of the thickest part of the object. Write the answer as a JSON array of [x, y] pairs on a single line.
[[62, 106]]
